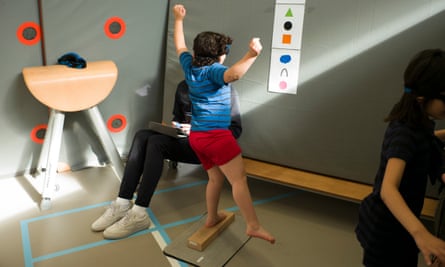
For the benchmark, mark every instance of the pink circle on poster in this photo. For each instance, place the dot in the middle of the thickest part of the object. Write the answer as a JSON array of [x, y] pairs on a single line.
[[283, 85]]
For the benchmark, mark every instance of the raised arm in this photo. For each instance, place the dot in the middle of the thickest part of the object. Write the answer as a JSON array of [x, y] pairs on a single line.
[[237, 70], [178, 33]]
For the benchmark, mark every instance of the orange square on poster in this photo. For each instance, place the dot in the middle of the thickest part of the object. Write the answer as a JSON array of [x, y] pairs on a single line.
[[286, 39]]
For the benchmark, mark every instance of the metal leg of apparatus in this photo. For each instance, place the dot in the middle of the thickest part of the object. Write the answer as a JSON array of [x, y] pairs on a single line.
[[43, 159], [50, 156], [106, 140]]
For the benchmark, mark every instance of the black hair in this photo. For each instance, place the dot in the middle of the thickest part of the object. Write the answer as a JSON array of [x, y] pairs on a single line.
[[208, 47], [424, 76]]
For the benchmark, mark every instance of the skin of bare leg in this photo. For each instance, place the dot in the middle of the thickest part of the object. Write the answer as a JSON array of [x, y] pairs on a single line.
[[235, 173], [213, 192]]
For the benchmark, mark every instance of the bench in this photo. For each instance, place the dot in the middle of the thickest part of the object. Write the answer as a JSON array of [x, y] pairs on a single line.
[[321, 184]]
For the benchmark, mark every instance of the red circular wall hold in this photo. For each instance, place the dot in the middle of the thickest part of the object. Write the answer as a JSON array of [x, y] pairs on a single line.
[[115, 27], [28, 33], [116, 123], [38, 133]]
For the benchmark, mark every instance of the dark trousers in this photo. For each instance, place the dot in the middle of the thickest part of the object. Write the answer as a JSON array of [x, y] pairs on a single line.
[[398, 259], [146, 160]]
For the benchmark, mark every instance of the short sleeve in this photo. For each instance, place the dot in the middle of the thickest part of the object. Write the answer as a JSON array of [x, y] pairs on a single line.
[[185, 59], [216, 74], [400, 143]]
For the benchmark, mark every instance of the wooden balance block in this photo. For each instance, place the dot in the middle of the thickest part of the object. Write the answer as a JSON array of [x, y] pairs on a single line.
[[205, 235]]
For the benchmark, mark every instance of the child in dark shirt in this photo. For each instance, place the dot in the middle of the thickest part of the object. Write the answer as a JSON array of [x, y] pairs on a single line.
[[389, 228]]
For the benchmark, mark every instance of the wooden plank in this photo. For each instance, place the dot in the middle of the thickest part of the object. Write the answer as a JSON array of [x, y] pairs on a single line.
[[205, 235], [346, 189], [218, 253], [331, 186], [429, 208]]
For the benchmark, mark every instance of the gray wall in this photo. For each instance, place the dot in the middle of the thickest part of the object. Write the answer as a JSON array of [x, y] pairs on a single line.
[[19, 111], [353, 56], [352, 60], [139, 55], [78, 26]]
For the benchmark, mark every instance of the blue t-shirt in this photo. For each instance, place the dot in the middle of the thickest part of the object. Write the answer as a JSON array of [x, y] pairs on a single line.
[[209, 94]]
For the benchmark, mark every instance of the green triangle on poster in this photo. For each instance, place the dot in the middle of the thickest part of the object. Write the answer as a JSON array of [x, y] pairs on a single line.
[[289, 13]]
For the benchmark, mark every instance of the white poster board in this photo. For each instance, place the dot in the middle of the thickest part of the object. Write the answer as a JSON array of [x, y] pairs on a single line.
[[286, 46]]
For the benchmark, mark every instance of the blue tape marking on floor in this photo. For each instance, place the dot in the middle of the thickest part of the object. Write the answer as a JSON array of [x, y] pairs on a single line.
[[73, 250], [27, 243], [57, 214], [27, 253], [163, 233], [267, 200], [29, 260], [158, 225], [180, 187], [109, 202], [181, 222], [90, 245]]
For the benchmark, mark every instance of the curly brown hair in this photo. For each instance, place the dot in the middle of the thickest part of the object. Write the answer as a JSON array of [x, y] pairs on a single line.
[[208, 47]]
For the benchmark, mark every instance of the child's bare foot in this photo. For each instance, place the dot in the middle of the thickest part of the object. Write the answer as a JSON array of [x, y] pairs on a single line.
[[260, 232], [215, 220]]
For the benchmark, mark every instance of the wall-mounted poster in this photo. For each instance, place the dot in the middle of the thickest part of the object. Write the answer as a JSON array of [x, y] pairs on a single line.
[[286, 46]]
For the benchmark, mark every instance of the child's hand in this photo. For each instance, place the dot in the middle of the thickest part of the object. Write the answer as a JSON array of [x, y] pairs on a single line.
[[184, 127], [429, 245], [179, 11], [255, 46]]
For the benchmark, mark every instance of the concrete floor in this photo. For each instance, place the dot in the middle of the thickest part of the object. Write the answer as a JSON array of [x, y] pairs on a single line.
[[311, 230]]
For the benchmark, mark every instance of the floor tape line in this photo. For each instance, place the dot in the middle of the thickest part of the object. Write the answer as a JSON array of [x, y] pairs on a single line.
[[157, 227]]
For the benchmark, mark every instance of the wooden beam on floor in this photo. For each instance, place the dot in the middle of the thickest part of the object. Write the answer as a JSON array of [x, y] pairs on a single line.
[[205, 235]]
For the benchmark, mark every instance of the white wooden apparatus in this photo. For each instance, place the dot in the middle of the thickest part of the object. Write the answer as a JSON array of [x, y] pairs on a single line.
[[65, 89]]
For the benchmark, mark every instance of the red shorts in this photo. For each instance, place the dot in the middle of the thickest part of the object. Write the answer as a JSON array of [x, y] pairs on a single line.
[[215, 147]]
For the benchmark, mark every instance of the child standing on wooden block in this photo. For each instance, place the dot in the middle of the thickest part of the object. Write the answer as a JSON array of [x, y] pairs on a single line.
[[216, 148]]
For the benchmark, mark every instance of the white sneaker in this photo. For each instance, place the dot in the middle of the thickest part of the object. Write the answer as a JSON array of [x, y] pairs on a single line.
[[112, 214], [128, 225]]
